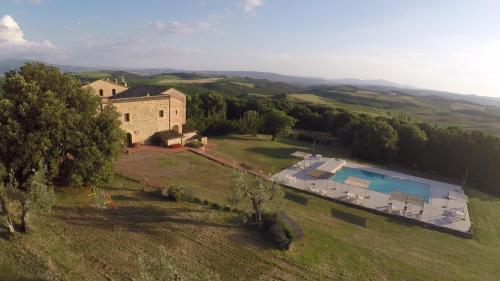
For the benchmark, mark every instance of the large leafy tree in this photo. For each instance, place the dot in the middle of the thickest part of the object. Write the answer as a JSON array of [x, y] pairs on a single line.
[[376, 141], [278, 123], [250, 123], [412, 142], [49, 122]]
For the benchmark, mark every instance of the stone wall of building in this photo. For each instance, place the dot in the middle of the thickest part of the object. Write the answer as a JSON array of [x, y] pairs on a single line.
[[144, 116], [177, 113], [107, 88]]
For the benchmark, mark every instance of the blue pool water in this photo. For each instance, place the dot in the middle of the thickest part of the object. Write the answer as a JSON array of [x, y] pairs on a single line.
[[384, 184]]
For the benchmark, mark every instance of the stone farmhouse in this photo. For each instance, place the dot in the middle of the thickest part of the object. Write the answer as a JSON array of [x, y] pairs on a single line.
[[146, 110]]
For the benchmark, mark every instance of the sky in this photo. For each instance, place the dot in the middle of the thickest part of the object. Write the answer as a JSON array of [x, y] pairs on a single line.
[[451, 45]]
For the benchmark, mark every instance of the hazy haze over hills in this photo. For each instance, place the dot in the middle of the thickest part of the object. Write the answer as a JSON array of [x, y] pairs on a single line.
[[378, 84]]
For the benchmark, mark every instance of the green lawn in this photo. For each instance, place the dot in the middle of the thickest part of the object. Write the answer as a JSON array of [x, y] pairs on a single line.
[[343, 243], [261, 153], [77, 242]]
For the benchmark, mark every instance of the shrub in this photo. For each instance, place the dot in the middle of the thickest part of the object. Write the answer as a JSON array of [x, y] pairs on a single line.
[[305, 137], [176, 192], [194, 144], [159, 139], [282, 230], [217, 206]]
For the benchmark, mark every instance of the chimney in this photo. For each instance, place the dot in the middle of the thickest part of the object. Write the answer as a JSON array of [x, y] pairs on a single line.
[[123, 81]]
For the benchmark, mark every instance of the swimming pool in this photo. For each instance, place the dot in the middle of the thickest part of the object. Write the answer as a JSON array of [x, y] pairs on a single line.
[[384, 184]]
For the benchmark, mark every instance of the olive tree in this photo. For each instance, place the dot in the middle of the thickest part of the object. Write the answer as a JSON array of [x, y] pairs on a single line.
[[253, 193]]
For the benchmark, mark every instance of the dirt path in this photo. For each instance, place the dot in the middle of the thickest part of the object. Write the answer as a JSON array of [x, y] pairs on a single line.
[[227, 162]]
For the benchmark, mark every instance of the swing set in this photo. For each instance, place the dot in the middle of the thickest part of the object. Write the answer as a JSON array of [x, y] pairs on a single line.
[[101, 198]]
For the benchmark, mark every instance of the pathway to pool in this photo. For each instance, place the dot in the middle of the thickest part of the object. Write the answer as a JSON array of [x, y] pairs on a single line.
[[426, 202]]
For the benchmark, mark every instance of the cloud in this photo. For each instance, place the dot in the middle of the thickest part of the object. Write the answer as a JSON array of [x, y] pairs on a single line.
[[10, 32], [13, 42], [36, 2], [251, 5], [124, 51], [184, 28]]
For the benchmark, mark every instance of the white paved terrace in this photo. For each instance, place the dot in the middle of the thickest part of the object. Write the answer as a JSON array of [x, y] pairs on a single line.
[[441, 210]]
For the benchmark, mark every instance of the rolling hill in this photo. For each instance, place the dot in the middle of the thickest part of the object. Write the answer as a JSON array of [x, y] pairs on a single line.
[[378, 97]]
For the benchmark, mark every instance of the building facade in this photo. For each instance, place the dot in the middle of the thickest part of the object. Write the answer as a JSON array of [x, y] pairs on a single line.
[[146, 110], [106, 88]]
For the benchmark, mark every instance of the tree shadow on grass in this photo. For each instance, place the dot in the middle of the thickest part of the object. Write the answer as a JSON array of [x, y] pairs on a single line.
[[348, 217], [280, 153], [299, 199], [121, 197], [154, 221], [139, 219], [252, 236], [153, 196], [241, 137]]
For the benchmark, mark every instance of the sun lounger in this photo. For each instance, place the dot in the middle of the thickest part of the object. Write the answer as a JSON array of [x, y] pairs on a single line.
[[454, 214]]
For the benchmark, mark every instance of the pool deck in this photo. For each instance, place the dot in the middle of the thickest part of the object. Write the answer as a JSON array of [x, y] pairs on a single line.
[[441, 211]]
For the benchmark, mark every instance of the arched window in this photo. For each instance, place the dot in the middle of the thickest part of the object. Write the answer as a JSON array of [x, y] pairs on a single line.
[[101, 92], [113, 92]]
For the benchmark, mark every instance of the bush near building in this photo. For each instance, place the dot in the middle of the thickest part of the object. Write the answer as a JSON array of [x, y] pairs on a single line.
[[281, 229]]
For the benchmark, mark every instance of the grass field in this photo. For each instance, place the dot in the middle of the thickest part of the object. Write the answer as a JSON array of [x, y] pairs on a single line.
[[314, 99], [189, 81], [342, 243], [249, 85], [77, 242], [95, 74]]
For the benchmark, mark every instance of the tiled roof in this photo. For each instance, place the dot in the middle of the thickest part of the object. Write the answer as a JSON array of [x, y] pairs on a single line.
[[140, 91], [195, 137]]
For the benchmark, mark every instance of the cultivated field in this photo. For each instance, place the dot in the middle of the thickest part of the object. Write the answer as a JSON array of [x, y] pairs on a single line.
[[189, 81], [429, 109]]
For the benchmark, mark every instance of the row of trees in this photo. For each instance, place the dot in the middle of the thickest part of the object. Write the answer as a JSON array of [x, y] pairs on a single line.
[[51, 131], [209, 114], [447, 151]]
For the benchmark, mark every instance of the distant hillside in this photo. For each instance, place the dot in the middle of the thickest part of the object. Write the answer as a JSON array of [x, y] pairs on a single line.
[[12, 64], [296, 81], [482, 100]]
